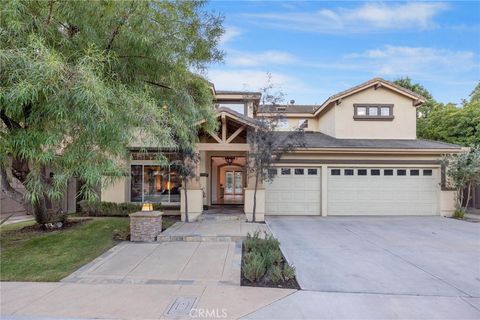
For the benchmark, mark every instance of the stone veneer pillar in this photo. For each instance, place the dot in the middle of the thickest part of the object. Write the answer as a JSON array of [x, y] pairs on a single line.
[[145, 226]]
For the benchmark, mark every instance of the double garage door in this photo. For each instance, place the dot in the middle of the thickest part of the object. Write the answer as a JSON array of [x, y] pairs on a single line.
[[355, 191]]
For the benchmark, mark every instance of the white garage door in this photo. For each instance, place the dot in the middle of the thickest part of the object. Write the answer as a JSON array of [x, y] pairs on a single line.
[[294, 191], [383, 191]]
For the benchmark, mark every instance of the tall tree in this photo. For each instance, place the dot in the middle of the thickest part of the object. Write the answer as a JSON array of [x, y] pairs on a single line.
[[81, 80], [447, 122]]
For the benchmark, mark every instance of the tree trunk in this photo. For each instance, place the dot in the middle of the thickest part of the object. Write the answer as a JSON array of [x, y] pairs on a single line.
[[469, 191], [255, 198], [40, 211], [186, 200]]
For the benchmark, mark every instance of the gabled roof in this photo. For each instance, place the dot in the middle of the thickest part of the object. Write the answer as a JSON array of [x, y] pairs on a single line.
[[418, 99], [224, 111], [287, 108]]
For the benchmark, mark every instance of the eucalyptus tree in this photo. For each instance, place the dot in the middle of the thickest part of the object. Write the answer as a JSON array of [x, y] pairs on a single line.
[[81, 79]]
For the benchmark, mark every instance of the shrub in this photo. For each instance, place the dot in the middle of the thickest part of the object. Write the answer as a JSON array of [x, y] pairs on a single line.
[[459, 213], [272, 257], [288, 272], [254, 267], [275, 274], [111, 209]]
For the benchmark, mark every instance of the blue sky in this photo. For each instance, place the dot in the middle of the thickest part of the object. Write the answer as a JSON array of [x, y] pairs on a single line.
[[314, 49]]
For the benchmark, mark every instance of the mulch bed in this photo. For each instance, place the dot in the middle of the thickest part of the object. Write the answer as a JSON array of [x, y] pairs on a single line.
[[265, 282]]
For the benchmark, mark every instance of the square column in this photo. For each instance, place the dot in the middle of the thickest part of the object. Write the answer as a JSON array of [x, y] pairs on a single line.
[[195, 203], [260, 207]]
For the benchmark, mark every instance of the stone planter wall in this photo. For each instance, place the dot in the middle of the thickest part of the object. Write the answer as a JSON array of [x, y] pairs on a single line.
[[145, 226]]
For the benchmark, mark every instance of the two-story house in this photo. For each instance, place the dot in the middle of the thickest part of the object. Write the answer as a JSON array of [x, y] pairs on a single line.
[[361, 157]]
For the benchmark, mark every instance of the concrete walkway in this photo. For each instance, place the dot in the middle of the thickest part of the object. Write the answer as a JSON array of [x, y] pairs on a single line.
[[212, 228], [182, 263], [129, 301]]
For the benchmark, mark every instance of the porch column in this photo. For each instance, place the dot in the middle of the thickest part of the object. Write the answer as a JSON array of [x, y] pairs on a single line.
[[260, 200], [193, 196]]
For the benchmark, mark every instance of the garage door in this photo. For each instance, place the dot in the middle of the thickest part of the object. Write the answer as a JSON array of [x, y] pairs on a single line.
[[383, 191], [294, 191]]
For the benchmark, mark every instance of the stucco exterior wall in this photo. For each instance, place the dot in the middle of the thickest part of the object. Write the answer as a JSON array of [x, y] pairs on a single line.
[[447, 203], [116, 192], [326, 122], [403, 126]]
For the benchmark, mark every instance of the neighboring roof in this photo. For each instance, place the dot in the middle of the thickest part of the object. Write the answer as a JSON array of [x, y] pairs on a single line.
[[236, 115], [370, 83], [289, 108], [321, 140], [237, 92]]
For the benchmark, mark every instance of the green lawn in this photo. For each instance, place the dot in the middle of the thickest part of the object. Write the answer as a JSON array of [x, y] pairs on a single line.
[[51, 256]]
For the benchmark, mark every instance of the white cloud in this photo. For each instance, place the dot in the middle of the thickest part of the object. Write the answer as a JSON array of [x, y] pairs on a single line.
[[369, 17], [250, 59], [422, 61], [230, 34]]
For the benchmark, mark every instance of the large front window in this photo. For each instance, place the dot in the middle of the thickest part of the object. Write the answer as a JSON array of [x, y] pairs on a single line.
[[154, 183]]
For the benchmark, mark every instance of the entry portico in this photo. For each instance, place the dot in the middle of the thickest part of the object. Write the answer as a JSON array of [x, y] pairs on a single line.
[[222, 170]]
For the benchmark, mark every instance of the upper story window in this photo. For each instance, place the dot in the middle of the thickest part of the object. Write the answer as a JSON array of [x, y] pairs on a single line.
[[373, 112], [303, 123], [282, 123]]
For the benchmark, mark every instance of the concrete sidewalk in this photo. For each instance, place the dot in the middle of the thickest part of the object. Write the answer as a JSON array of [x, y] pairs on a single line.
[[114, 301]]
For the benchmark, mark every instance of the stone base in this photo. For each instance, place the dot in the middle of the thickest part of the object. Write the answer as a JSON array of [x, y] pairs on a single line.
[[192, 216], [145, 226], [259, 217]]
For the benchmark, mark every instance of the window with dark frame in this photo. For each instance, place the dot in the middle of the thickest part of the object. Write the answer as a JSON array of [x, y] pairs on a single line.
[[414, 172], [375, 172], [312, 172], [348, 172], [272, 172], [286, 171], [362, 172], [388, 172], [401, 172], [427, 172], [335, 172], [373, 111], [299, 172]]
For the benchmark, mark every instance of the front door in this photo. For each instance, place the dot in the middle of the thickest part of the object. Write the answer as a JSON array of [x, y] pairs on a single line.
[[233, 182]]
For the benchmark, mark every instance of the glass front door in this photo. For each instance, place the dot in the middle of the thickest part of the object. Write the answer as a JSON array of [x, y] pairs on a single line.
[[233, 182]]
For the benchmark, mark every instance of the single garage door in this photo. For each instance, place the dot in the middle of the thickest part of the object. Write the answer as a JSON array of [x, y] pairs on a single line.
[[294, 191], [383, 191]]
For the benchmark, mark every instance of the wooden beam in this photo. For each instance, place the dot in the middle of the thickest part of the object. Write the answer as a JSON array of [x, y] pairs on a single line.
[[216, 137], [224, 128], [236, 133]]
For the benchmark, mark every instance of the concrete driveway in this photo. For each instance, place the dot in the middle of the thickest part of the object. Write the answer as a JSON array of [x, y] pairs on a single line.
[[415, 267]]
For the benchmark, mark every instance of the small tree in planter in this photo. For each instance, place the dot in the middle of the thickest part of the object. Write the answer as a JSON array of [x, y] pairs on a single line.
[[185, 167], [267, 147], [463, 172]]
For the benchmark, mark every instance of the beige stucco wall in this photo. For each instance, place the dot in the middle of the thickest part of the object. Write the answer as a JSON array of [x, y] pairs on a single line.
[[293, 122], [447, 203], [326, 122], [116, 192], [195, 203], [260, 207], [403, 126]]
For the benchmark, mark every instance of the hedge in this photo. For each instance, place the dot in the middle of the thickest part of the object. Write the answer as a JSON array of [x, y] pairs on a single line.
[[111, 209]]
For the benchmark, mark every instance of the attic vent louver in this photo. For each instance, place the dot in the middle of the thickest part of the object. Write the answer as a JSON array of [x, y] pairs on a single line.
[[281, 108]]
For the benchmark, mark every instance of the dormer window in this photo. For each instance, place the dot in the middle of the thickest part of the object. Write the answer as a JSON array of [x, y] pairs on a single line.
[[373, 112]]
